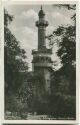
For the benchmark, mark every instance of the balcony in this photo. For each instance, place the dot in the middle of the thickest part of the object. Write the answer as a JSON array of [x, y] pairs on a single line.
[[42, 64], [42, 59], [42, 23], [47, 51]]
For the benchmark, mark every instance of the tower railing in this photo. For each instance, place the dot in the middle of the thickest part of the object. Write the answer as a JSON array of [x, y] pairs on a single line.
[[42, 23], [36, 51]]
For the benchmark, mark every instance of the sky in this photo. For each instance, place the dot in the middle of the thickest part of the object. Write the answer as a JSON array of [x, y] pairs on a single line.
[[24, 29]]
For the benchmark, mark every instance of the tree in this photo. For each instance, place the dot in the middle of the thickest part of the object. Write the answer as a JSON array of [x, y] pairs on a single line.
[[15, 65], [66, 40], [63, 81]]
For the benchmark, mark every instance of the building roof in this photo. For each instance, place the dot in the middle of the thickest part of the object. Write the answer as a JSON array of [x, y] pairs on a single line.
[[41, 12]]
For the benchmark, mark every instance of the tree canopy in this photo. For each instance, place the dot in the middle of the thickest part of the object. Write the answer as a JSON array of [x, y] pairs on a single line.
[[15, 62], [63, 81]]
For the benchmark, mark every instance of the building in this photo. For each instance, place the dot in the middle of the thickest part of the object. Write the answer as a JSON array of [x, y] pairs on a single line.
[[42, 63], [42, 56]]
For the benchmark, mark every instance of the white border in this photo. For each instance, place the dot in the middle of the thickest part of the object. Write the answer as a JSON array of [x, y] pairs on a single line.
[[1, 62], [77, 67]]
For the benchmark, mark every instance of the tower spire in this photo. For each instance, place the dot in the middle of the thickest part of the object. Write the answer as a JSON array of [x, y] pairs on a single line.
[[41, 7], [41, 24]]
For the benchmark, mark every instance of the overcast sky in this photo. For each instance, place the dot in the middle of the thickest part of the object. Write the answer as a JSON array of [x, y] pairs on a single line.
[[24, 29]]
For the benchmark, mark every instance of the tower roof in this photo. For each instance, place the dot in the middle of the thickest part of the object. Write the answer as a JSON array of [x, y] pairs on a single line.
[[41, 12]]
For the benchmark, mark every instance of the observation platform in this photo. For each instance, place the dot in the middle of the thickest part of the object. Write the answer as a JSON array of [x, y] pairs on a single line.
[[41, 23], [45, 51]]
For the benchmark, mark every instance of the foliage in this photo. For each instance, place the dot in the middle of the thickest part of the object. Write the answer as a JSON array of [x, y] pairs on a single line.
[[68, 6], [67, 46], [63, 81], [63, 92], [15, 65]]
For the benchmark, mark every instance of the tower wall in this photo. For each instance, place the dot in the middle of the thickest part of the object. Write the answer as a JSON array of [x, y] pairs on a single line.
[[41, 37], [47, 76], [42, 63]]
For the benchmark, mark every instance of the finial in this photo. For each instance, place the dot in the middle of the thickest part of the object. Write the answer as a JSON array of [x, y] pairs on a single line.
[[41, 7]]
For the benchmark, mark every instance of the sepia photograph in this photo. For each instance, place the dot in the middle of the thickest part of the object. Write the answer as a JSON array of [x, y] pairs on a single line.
[[40, 61]]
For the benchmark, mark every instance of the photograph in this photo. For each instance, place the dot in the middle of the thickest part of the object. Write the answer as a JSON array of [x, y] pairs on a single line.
[[39, 61]]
